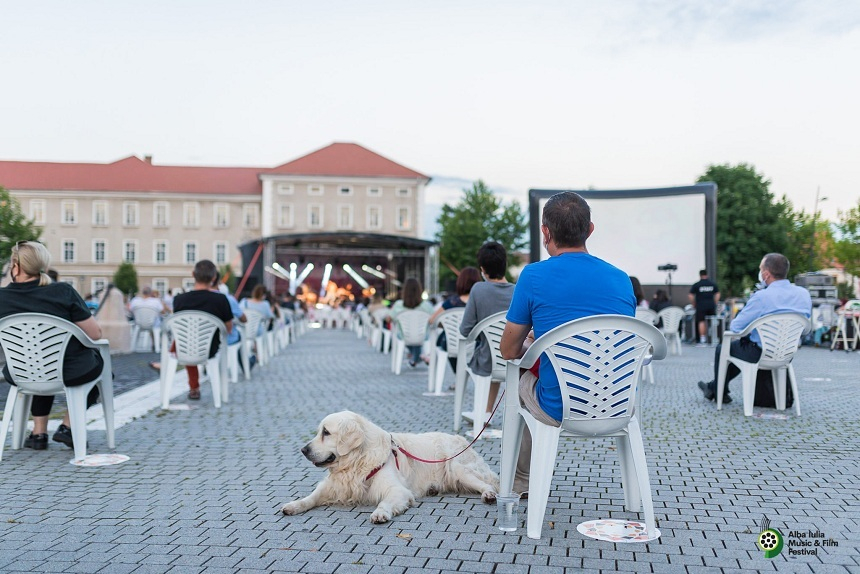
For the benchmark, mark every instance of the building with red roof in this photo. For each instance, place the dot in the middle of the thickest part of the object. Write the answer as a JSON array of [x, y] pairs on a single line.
[[164, 218]]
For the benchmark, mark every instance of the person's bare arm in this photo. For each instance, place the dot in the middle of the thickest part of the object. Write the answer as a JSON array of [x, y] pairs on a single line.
[[692, 299], [91, 328], [514, 340], [229, 325], [717, 297]]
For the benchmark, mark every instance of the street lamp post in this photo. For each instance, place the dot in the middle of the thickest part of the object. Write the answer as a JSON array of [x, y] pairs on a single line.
[[814, 220]]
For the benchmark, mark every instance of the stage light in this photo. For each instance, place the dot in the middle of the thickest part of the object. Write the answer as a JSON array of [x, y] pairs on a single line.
[[275, 272], [307, 271], [359, 279], [293, 283], [325, 278], [372, 271]]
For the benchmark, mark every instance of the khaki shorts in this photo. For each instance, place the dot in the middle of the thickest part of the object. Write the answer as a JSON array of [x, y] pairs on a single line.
[[528, 399]]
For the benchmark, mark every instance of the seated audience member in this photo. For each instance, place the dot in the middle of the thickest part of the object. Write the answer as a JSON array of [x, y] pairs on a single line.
[[259, 303], [412, 299], [491, 296], [778, 296], [641, 301], [466, 279], [33, 291], [571, 284]]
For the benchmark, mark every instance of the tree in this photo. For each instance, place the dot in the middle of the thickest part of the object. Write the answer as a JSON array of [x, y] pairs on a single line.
[[479, 217], [809, 245], [227, 276], [14, 226], [749, 224], [125, 278], [846, 246]]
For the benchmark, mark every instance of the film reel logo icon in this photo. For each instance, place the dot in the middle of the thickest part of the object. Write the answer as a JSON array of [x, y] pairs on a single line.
[[770, 540]]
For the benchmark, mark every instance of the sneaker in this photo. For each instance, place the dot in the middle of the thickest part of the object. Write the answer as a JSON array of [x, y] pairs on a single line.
[[64, 435], [727, 398], [194, 394], [36, 441], [706, 390]]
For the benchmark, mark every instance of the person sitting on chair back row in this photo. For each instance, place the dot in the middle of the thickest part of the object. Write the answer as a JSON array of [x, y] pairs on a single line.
[[33, 291], [571, 284], [777, 296]]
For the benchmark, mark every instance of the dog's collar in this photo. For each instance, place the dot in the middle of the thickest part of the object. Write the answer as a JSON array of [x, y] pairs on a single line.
[[378, 468]]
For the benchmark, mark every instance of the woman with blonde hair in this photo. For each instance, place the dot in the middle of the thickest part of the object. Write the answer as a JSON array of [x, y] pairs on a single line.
[[33, 291]]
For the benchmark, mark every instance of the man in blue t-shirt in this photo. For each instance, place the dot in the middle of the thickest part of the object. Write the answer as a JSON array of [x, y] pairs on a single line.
[[571, 284]]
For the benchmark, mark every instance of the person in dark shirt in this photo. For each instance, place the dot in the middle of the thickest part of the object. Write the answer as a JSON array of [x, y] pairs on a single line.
[[202, 298], [33, 291], [704, 295]]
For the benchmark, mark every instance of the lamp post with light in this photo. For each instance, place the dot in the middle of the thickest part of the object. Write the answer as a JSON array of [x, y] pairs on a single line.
[[814, 220]]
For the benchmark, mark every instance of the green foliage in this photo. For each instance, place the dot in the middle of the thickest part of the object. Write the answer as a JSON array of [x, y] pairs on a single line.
[[809, 245], [479, 217], [227, 276], [845, 291], [846, 246], [14, 226], [125, 278], [750, 224]]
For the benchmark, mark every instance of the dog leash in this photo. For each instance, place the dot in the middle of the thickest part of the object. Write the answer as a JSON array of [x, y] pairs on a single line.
[[408, 454]]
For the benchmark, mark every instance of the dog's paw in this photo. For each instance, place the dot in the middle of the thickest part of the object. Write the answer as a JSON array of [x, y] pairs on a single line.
[[488, 497], [380, 516], [291, 508]]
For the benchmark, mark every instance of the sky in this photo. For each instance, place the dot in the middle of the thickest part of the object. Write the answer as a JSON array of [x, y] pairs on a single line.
[[565, 94]]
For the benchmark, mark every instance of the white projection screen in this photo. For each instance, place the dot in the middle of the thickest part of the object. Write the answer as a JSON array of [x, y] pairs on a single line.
[[639, 230]]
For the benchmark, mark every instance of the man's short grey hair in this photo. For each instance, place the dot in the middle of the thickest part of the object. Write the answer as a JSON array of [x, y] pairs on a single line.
[[777, 265], [146, 291]]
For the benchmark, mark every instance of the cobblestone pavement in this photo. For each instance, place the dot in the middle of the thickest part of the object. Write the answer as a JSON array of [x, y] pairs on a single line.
[[203, 487]]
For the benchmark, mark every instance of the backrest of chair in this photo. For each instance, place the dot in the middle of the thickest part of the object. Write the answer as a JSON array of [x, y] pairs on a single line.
[[412, 325], [449, 321], [192, 331], [647, 315], [254, 320], [671, 317], [597, 361], [35, 347], [380, 315], [492, 328], [780, 337], [145, 317]]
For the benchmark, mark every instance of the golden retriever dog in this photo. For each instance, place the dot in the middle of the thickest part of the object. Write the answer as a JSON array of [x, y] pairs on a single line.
[[365, 467]]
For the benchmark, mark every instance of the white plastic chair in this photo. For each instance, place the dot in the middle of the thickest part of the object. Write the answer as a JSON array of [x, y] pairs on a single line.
[[34, 345], [849, 313], [598, 362], [780, 338], [256, 339], [380, 333], [145, 319], [411, 328], [492, 328], [289, 326], [447, 322], [671, 317], [192, 331], [650, 317]]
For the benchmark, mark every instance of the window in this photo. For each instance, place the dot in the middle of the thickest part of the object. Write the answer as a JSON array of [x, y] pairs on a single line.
[[130, 214], [344, 217], [344, 190], [221, 212], [159, 252], [160, 285], [315, 189], [191, 214], [374, 191], [187, 284], [68, 250], [315, 215], [99, 250], [69, 209], [285, 215], [98, 284], [190, 250], [404, 221], [374, 217], [100, 213], [129, 250], [220, 252], [37, 211], [404, 191], [285, 188], [251, 216], [161, 214]]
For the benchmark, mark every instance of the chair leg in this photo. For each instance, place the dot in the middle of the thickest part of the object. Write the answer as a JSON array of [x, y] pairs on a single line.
[[135, 332], [778, 378], [544, 451], [7, 417], [441, 369], [512, 436], [76, 398], [459, 389], [168, 371], [641, 465], [629, 481], [792, 378], [156, 339], [106, 392], [748, 374], [20, 416], [246, 358], [479, 402], [213, 367]]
